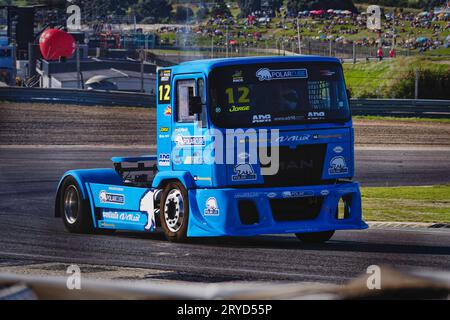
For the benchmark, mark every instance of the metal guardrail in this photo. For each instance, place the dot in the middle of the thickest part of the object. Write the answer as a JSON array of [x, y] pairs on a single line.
[[363, 107], [401, 108], [76, 96]]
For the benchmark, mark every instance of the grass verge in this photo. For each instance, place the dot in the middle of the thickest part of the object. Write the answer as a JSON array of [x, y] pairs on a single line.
[[407, 204]]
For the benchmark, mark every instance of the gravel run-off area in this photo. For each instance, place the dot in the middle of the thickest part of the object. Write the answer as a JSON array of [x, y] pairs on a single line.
[[45, 124]]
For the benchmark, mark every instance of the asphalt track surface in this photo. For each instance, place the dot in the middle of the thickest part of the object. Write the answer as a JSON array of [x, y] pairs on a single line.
[[30, 235]]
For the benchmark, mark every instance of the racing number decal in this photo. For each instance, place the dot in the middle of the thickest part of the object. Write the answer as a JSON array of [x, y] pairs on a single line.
[[164, 93], [164, 89], [243, 95]]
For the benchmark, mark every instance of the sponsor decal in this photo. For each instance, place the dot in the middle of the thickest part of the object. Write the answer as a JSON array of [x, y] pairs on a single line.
[[338, 166], [316, 115], [218, 110], [187, 141], [243, 172], [239, 109], [325, 193], [331, 136], [164, 87], [272, 195], [266, 74], [107, 225], [247, 195], [168, 111], [115, 189], [212, 209], [327, 73], [338, 149], [301, 138], [106, 197], [130, 217], [244, 156], [289, 118], [297, 194], [238, 77], [164, 75], [262, 118], [110, 215], [164, 129], [164, 160]]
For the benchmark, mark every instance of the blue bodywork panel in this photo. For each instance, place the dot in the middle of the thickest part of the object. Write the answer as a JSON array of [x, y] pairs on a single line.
[[224, 220]]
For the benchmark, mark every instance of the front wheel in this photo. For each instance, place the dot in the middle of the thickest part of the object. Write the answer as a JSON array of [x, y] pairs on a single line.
[[174, 212], [316, 237], [75, 211]]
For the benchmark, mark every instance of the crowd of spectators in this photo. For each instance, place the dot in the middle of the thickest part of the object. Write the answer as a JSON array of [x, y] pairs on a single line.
[[422, 31]]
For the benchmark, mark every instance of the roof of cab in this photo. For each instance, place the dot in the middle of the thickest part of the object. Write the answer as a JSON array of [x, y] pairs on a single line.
[[207, 65]]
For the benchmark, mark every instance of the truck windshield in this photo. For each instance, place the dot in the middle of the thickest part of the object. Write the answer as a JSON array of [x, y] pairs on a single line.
[[278, 94]]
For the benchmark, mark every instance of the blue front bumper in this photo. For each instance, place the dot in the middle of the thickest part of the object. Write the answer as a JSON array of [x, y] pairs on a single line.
[[216, 212]]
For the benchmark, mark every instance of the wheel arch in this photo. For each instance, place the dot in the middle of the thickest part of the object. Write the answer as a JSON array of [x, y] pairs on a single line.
[[163, 178], [106, 176]]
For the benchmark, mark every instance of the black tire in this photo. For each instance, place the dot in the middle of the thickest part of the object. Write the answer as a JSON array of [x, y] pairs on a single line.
[[74, 210], [317, 237], [174, 212]]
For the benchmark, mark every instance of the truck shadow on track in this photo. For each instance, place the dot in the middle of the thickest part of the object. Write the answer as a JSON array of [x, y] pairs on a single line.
[[291, 243]]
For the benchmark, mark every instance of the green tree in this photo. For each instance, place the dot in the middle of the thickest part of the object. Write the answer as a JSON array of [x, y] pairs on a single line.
[[183, 14], [151, 11], [220, 9], [249, 6], [202, 13], [295, 6]]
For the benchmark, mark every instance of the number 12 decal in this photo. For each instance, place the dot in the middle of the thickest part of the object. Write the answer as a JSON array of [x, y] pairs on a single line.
[[164, 93], [243, 95]]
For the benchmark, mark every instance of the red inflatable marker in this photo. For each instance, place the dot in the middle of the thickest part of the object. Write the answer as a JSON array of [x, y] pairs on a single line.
[[55, 44]]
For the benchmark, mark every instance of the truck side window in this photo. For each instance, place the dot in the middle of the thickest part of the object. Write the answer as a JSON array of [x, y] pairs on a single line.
[[185, 90], [202, 94]]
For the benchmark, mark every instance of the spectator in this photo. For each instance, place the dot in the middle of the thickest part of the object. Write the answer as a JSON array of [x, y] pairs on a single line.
[[380, 54], [392, 53]]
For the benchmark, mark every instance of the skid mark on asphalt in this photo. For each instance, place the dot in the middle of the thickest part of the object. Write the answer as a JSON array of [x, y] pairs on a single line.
[[89, 271], [244, 274]]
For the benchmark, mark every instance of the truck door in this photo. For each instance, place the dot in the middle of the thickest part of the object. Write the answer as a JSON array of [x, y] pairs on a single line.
[[189, 137]]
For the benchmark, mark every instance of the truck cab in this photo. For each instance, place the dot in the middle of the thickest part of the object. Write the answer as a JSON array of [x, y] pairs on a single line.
[[245, 147]]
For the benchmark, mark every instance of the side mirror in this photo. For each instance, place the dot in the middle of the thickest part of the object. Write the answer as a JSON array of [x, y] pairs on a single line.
[[195, 105]]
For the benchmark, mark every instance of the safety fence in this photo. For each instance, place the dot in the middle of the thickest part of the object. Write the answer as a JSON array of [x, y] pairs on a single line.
[[363, 107]]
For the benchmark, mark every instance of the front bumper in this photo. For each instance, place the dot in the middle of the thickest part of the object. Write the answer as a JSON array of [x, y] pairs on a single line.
[[217, 212]]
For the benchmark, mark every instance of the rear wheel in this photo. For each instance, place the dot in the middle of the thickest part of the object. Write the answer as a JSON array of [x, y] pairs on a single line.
[[75, 211], [317, 237], [174, 212]]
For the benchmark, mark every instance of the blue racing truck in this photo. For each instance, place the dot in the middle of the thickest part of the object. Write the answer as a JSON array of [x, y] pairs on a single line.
[[245, 146]]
